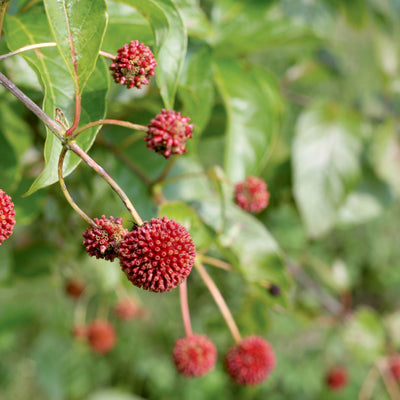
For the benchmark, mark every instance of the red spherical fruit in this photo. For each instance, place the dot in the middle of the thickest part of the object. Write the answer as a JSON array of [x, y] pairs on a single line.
[[74, 288], [127, 309], [158, 255], [7, 216], [394, 365], [168, 132], [251, 361], [252, 194], [101, 336], [133, 65], [194, 355], [336, 378], [104, 241]]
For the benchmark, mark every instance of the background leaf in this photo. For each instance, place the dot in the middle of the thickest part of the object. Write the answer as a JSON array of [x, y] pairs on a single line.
[[253, 111], [326, 165], [196, 90]]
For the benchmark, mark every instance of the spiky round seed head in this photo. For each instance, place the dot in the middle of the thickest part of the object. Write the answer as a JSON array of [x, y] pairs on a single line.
[[74, 288], [126, 309], [274, 290], [394, 365], [194, 355], [168, 132], [158, 255], [101, 336], [133, 65], [104, 241], [251, 361], [80, 332], [336, 377], [252, 194], [7, 216]]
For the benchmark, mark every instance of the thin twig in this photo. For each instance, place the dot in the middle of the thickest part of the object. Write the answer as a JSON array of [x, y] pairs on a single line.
[[166, 170], [3, 10], [127, 161], [388, 379], [108, 55], [59, 133], [216, 263], [216, 294], [185, 309], [125, 124], [50, 123], [114, 185], [27, 48], [188, 175], [369, 383], [67, 194], [329, 302]]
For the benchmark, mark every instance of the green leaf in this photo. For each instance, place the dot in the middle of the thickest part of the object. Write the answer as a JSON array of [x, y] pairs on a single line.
[[32, 27], [78, 28], [367, 201], [9, 171], [241, 27], [257, 252], [253, 105], [50, 354], [170, 42], [5, 261], [195, 19], [34, 260], [326, 165], [124, 23], [196, 90], [364, 335], [356, 12], [15, 140], [385, 154], [113, 394], [185, 215]]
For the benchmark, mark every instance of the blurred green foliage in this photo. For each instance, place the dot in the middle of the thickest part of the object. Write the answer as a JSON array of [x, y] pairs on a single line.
[[304, 94]]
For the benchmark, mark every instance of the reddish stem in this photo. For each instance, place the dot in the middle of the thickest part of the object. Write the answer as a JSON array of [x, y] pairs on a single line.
[[216, 294], [118, 122], [77, 112], [185, 309], [76, 81]]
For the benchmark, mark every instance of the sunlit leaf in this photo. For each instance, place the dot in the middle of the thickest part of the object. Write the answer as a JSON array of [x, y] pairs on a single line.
[[78, 28], [326, 165], [32, 27], [253, 109], [196, 90]]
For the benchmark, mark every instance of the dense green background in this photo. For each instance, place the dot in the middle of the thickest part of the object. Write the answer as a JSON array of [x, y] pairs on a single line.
[[302, 93]]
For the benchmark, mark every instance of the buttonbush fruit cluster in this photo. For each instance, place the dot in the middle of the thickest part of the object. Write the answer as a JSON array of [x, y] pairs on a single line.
[[7, 216]]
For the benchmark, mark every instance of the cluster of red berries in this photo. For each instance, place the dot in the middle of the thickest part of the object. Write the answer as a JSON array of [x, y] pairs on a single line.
[[156, 256], [252, 194], [103, 241], [168, 132], [74, 288], [248, 363], [99, 334], [336, 378], [7, 216], [127, 309], [133, 65], [394, 366]]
